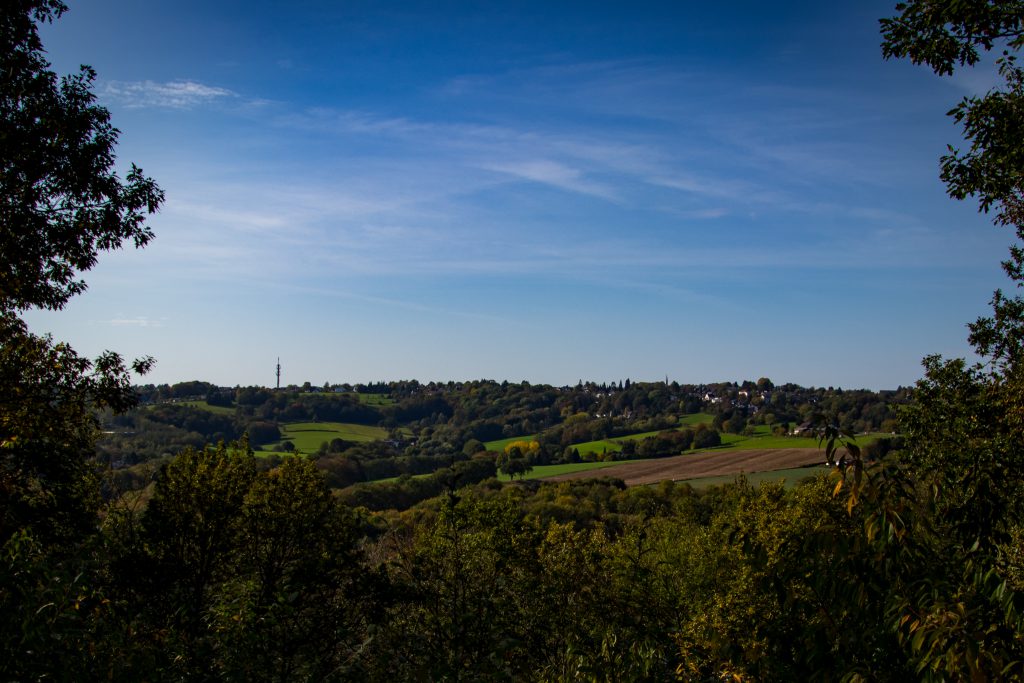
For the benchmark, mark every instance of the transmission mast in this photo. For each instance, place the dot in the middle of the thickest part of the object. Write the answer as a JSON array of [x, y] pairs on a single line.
[[278, 372]]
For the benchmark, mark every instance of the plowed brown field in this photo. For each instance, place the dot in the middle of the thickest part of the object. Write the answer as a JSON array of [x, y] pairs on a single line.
[[704, 465]]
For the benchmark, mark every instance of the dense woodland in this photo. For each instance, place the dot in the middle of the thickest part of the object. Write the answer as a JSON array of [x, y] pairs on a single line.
[[230, 566]]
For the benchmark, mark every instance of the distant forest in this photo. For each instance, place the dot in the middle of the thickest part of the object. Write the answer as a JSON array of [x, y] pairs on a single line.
[[432, 426]]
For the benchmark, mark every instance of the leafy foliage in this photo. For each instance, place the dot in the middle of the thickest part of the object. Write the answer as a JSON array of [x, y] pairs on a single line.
[[48, 398], [60, 201]]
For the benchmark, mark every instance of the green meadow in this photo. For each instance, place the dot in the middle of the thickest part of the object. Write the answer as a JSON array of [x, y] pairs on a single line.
[[730, 442], [499, 444], [747, 443], [307, 436], [789, 477], [203, 405], [541, 471], [597, 447], [538, 472], [376, 399]]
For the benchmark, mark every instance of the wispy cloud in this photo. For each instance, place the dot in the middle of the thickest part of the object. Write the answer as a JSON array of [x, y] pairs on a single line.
[[603, 142], [172, 94], [556, 174], [705, 214], [400, 192], [717, 189], [240, 219], [393, 303]]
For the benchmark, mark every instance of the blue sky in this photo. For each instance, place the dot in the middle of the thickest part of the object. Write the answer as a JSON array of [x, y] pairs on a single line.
[[538, 191]]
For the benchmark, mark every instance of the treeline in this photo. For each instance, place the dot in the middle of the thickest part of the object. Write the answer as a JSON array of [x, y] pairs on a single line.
[[354, 463], [155, 430], [434, 426], [163, 430], [407, 490], [559, 418]]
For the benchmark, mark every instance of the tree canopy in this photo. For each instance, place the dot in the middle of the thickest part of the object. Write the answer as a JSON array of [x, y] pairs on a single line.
[[61, 202]]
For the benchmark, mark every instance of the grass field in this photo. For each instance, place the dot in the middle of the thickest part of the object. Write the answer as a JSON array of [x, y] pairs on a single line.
[[203, 405], [541, 471], [376, 399], [597, 447], [615, 444], [585, 448], [761, 440], [790, 477], [736, 442], [538, 472], [388, 480], [604, 444], [307, 436], [499, 445]]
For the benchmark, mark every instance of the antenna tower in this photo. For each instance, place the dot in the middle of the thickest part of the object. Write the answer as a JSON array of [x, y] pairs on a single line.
[[278, 372]]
